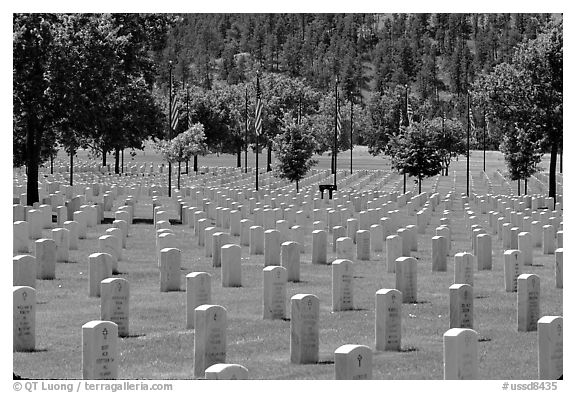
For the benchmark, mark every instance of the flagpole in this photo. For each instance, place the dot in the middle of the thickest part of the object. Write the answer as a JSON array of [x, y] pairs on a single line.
[[255, 126], [468, 150], [187, 119], [485, 126], [351, 127], [406, 94], [170, 127], [335, 155], [246, 138]]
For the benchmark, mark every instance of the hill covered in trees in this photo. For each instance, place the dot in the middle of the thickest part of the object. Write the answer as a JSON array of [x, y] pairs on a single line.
[[435, 54]]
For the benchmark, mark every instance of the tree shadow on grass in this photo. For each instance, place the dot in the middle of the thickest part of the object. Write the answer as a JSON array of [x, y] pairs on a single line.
[[419, 302], [328, 361], [483, 339], [408, 349]]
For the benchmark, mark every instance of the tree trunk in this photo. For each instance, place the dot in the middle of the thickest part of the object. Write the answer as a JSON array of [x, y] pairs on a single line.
[[419, 185], [178, 174], [122, 170], [51, 164], [71, 168], [518, 187], [269, 164], [196, 163], [297, 186], [117, 161], [239, 157], [32, 170], [552, 173], [525, 186], [187, 167], [104, 157]]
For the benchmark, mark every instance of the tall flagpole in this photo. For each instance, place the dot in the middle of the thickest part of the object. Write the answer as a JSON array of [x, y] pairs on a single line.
[[246, 138], [170, 127], [255, 125], [485, 126], [351, 127], [187, 120], [468, 150], [406, 94], [335, 155]]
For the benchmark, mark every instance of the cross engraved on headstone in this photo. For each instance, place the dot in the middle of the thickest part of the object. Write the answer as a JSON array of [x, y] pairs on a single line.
[[24, 295], [359, 360], [105, 333]]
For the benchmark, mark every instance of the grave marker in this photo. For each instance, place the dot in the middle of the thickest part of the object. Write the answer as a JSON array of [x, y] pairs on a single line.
[[528, 302], [24, 271], [45, 259], [23, 318], [342, 285], [388, 320], [460, 354], [406, 278], [170, 263], [210, 324], [304, 329], [231, 274], [353, 362], [198, 292], [226, 371], [290, 260], [100, 350], [550, 347], [114, 303], [274, 292], [461, 306]]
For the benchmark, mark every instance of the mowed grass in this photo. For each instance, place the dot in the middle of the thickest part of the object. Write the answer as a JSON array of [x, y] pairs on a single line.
[[160, 347]]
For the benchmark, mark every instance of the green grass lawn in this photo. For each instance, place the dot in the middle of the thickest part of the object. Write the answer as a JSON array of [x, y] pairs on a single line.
[[160, 347]]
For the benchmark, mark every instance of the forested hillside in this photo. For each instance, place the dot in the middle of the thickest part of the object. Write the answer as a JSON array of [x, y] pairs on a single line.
[[434, 54]]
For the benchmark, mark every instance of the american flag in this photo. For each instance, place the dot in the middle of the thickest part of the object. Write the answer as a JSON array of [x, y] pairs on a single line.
[[409, 112], [471, 119], [258, 117], [189, 120], [174, 112]]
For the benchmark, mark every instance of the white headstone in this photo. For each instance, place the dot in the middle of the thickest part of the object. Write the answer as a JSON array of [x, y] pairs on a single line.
[[114, 303], [272, 247], [21, 236], [100, 350], [304, 329], [231, 274], [461, 306], [559, 268], [73, 228], [342, 285], [550, 347], [363, 245], [198, 292], [525, 246], [23, 318], [210, 325], [464, 268], [219, 239], [24, 271], [439, 252], [460, 354], [512, 269], [388, 320], [393, 252], [528, 302], [290, 260], [256, 240], [170, 263], [62, 241], [274, 292], [319, 247], [352, 362], [484, 251], [406, 278], [45, 259]]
